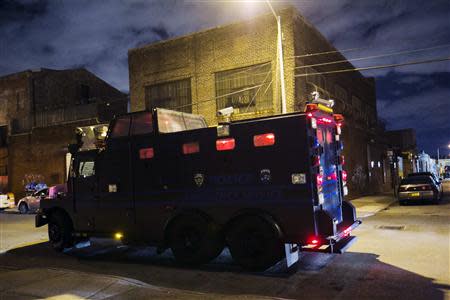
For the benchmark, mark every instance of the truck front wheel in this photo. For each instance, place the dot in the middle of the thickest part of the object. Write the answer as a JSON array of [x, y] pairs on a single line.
[[59, 232], [254, 243], [194, 240]]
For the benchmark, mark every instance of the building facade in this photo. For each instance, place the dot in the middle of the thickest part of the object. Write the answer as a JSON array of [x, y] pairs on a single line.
[[39, 111], [236, 65]]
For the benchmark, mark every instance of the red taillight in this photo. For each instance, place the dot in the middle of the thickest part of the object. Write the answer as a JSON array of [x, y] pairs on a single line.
[[146, 153], [225, 144], [311, 107], [338, 118], [309, 115], [333, 176], [426, 188], [190, 148], [344, 176], [314, 241], [263, 140], [319, 179]]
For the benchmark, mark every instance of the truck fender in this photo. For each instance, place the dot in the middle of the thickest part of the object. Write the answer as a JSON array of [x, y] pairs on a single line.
[[255, 212], [58, 210]]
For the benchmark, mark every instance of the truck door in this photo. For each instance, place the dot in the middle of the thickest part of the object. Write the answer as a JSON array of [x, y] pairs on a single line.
[[328, 182], [115, 211], [84, 189]]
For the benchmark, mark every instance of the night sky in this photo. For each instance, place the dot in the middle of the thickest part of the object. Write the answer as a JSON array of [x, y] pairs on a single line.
[[97, 34]]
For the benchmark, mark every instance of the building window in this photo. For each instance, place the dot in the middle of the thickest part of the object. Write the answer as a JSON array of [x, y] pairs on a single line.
[[246, 89], [174, 95]]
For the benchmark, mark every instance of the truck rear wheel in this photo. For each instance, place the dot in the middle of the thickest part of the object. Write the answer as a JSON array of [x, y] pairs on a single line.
[[59, 231], [194, 240], [254, 243]]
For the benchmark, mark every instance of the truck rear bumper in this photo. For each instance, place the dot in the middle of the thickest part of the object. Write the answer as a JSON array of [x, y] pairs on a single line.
[[337, 243]]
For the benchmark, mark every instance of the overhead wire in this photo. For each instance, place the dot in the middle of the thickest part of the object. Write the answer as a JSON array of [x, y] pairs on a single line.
[[375, 56], [376, 67]]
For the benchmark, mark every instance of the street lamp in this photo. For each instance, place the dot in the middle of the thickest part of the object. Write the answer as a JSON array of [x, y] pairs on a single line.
[[280, 58]]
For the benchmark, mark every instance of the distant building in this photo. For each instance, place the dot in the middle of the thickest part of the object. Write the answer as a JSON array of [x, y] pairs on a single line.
[[404, 146], [39, 110], [236, 65]]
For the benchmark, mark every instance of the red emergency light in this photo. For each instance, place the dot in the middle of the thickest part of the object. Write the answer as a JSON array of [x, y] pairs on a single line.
[[344, 176], [263, 140], [319, 179], [146, 153], [225, 144], [190, 148]]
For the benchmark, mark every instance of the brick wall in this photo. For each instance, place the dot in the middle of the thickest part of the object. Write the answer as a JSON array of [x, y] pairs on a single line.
[[200, 55]]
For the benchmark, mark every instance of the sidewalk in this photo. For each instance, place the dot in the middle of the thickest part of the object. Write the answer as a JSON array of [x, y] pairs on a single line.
[[369, 205], [68, 284]]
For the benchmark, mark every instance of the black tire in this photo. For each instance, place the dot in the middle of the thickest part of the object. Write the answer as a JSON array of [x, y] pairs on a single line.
[[255, 243], [23, 208], [60, 232], [194, 240]]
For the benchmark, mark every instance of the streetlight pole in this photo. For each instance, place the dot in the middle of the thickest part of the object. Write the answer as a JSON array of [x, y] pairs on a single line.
[[280, 58]]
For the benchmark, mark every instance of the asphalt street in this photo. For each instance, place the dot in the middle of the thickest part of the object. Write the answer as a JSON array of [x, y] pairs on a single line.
[[402, 252]]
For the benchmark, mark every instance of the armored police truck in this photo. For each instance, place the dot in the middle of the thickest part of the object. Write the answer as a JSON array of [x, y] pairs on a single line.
[[262, 187]]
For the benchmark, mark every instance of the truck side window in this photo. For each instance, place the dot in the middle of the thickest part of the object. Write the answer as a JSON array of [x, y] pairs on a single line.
[[86, 169], [142, 123], [121, 127]]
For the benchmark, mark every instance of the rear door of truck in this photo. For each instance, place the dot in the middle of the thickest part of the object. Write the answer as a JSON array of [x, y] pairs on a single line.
[[326, 166]]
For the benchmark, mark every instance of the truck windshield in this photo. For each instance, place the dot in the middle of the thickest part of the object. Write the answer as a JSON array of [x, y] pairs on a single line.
[[173, 121]]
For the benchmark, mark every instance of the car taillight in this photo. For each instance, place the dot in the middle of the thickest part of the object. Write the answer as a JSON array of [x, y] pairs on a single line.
[[426, 188]]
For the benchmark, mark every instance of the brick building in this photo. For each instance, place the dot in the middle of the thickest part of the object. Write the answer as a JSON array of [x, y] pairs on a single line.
[[39, 110], [236, 65]]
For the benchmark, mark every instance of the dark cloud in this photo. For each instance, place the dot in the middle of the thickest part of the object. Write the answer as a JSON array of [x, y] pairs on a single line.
[[97, 35]]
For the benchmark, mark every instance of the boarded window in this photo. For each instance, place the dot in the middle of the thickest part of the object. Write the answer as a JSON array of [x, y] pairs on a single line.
[[246, 89], [174, 95], [121, 127], [142, 123]]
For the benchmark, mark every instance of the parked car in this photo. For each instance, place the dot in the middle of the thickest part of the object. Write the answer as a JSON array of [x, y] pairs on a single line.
[[7, 200], [31, 203], [433, 176], [418, 188]]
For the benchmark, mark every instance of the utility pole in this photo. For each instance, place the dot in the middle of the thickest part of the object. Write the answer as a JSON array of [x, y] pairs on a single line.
[[280, 58]]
